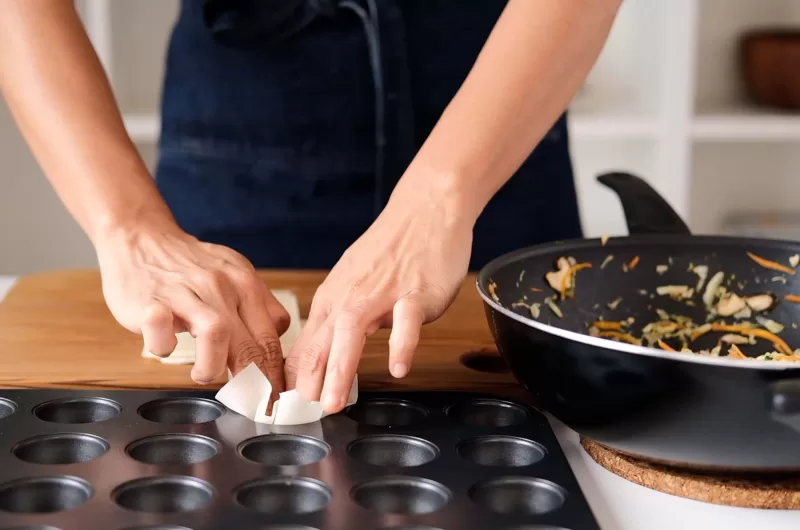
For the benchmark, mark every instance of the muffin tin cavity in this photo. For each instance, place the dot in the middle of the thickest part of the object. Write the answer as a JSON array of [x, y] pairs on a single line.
[[7, 408], [61, 448], [488, 413], [518, 495], [173, 449], [284, 450], [43, 495], [168, 494], [78, 410], [181, 411], [402, 495], [284, 495], [387, 412], [393, 451], [506, 451]]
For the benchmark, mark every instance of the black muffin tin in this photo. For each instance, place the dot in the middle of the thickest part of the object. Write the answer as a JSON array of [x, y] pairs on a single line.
[[128, 460]]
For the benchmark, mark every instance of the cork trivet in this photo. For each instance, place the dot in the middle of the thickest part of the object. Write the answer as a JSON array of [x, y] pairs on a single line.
[[782, 493]]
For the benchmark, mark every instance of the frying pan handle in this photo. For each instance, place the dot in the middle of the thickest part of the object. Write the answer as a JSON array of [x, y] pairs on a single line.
[[646, 212], [784, 402]]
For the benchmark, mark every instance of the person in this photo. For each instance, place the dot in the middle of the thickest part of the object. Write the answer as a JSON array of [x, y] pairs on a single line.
[[397, 143]]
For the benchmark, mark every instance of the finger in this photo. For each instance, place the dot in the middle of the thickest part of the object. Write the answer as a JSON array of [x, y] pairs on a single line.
[[278, 314], [212, 332], [311, 362], [407, 319], [349, 337], [158, 329], [301, 352], [256, 341]]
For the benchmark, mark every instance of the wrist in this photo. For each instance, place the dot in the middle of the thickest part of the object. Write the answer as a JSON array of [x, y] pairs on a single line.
[[448, 191], [131, 223]]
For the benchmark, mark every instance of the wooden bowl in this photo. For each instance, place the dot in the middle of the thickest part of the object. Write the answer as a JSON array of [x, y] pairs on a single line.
[[770, 67]]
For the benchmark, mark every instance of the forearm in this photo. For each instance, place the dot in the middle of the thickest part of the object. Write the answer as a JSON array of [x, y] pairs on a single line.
[[58, 94], [530, 68]]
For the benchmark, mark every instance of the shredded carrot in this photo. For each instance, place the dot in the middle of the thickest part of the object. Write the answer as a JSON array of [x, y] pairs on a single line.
[[768, 264], [665, 346], [793, 298], [570, 273], [536, 290], [779, 343], [608, 326], [735, 352], [633, 263], [624, 337]]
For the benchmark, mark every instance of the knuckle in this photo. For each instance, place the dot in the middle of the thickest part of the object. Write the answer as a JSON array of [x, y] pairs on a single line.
[[214, 280], [247, 281], [236, 258], [282, 322], [351, 317]]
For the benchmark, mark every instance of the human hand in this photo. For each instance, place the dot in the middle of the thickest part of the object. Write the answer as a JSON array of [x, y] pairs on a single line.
[[403, 272], [158, 281]]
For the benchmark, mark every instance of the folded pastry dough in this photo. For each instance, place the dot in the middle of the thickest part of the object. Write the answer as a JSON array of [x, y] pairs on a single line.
[[248, 392]]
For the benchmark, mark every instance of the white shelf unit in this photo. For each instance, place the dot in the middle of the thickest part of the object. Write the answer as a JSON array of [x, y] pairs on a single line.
[[664, 101]]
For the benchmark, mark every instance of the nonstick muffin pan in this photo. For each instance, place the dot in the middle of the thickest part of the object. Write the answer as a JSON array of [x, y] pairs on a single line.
[[125, 460]]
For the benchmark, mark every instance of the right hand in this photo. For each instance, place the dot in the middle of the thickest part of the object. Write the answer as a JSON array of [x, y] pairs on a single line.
[[159, 281]]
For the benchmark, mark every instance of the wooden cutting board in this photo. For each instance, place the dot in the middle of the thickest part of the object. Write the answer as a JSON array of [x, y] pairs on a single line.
[[56, 331]]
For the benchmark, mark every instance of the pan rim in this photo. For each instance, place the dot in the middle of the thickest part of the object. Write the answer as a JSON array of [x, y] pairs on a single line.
[[618, 241]]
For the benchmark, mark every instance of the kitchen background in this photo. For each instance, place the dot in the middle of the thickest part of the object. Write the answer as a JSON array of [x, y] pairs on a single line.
[[666, 101]]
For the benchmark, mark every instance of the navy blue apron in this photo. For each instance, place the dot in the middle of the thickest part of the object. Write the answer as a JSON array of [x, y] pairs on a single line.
[[287, 123]]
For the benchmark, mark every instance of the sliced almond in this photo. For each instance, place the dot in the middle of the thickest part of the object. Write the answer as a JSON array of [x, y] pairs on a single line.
[[730, 305], [760, 302]]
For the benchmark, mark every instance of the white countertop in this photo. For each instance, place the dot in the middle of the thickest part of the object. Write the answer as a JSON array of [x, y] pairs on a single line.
[[622, 505]]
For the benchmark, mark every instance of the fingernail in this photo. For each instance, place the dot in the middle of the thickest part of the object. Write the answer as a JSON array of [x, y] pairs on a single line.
[[399, 370]]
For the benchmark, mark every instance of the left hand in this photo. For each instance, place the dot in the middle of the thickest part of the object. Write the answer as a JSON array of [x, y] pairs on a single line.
[[403, 272]]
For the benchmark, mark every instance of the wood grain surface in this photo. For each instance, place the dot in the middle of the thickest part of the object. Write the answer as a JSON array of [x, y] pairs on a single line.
[[56, 331]]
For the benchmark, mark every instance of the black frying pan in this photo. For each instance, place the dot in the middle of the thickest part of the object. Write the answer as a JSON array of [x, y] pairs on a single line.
[[685, 409]]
